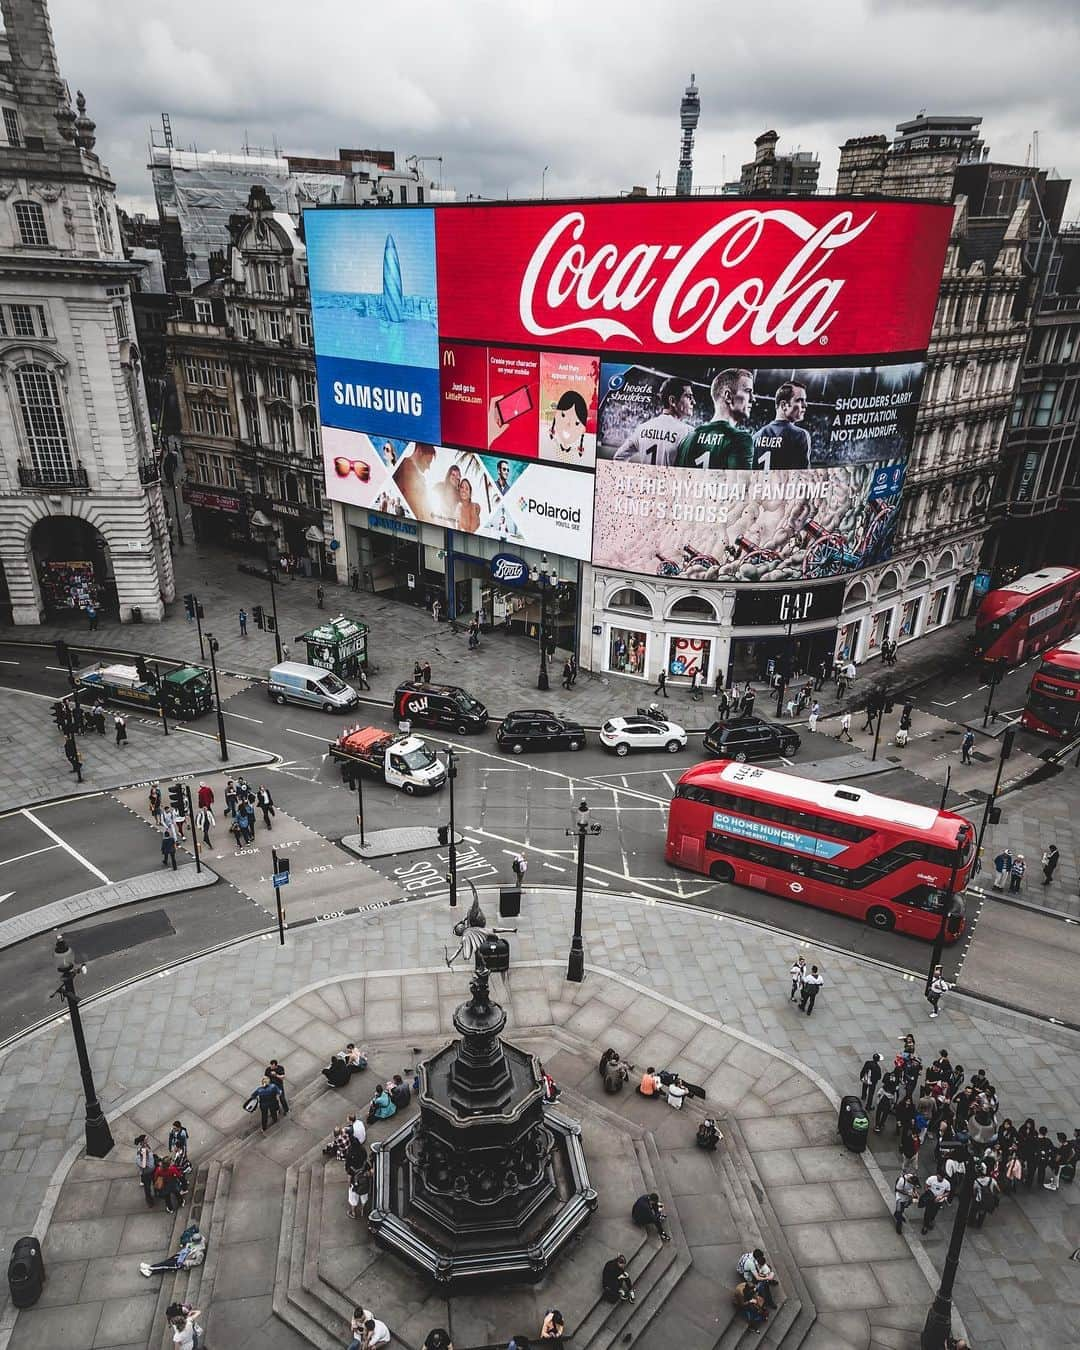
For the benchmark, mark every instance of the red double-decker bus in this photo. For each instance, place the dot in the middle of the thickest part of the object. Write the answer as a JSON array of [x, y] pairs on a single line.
[[1027, 616], [885, 862], [1053, 701]]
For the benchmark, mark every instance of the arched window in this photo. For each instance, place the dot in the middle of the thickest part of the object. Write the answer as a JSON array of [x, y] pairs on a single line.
[[628, 598], [855, 596], [889, 582], [105, 230], [43, 422], [918, 572], [30, 218], [694, 605]]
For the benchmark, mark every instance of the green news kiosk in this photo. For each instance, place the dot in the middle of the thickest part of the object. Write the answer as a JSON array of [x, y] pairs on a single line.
[[339, 645]]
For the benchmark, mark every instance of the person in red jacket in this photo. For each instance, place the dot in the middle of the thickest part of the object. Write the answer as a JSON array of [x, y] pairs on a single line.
[[206, 796]]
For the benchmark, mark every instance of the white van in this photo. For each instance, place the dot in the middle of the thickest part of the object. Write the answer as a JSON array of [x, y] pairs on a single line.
[[292, 682]]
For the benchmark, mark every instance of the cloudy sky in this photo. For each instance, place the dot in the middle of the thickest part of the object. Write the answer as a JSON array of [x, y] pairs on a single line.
[[501, 88]]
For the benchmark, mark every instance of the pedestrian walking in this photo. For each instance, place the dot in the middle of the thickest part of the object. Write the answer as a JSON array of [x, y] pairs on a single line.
[[966, 746], [97, 713], [425, 672], [573, 670], [120, 723], [904, 1194], [267, 1097], [71, 752], [887, 1094], [567, 672], [205, 795], [722, 706], [168, 849], [520, 865], [718, 683], [1016, 874], [661, 684], [936, 1194], [354, 579], [845, 728], [815, 713], [811, 987], [695, 685], [144, 1161], [873, 707], [242, 616], [935, 989], [92, 618], [798, 970], [230, 798], [206, 822], [1002, 868], [747, 706], [841, 682], [320, 595], [436, 610], [1049, 863], [822, 674], [155, 803], [869, 1077], [266, 805], [275, 1071]]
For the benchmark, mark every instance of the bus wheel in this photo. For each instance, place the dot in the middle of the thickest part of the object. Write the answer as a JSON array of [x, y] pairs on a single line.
[[881, 919], [722, 871]]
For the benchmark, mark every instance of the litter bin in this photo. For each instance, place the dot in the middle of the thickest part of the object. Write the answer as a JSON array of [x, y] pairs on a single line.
[[26, 1272], [854, 1123], [495, 954]]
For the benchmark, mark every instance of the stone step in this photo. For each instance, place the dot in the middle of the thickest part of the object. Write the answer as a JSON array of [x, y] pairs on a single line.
[[207, 1206], [290, 1302]]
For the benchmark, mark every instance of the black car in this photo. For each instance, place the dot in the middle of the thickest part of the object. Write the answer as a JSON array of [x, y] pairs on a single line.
[[439, 705], [538, 729], [750, 738]]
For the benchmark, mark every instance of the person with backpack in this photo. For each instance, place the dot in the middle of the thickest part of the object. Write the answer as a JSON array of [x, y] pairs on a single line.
[[1002, 868], [1016, 874]]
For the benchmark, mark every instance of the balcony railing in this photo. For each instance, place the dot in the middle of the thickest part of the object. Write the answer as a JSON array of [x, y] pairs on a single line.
[[69, 478], [149, 471]]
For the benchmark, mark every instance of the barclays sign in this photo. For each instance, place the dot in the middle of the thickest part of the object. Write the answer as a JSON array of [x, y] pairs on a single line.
[[509, 570]]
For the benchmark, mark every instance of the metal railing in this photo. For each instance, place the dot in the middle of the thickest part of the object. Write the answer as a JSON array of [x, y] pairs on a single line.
[[70, 476]]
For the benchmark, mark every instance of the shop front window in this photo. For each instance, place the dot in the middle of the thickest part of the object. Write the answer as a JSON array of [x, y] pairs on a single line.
[[689, 654], [937, 607], [626, 651], [847, 640], [909, 617], [879, 629]]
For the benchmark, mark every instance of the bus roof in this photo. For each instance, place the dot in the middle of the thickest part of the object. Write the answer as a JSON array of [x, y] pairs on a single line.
[[1067, 654], [1037, 581], [852, 802]]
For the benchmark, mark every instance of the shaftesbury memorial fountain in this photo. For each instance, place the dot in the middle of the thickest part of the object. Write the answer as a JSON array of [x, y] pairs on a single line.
[[486, 1182]]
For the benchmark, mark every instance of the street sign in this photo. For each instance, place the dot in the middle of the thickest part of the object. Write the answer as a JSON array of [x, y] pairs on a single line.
[[281, 878]]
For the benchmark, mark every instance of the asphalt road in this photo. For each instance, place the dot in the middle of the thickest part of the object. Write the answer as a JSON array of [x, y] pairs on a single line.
[[503, 804]]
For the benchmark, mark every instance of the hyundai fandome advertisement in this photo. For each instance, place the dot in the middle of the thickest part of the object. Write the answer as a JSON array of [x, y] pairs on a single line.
[[537, 505], [735, 382]]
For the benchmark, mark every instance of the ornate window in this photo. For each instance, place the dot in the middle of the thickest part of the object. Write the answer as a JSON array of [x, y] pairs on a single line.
[[30, 218], [43, 421]]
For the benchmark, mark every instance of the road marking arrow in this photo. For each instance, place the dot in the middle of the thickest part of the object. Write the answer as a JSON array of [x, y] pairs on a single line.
[[6, 897]]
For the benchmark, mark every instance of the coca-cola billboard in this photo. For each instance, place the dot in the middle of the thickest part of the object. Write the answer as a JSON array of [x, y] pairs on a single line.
[[705, 278]]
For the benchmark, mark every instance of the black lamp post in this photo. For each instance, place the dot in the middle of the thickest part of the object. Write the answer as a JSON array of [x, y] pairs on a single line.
[[990, 812], [543, 578], [213, 644], [785, 664], [452, 878], [575, 966], [938, 1326], [946, 907], [99, 1140]]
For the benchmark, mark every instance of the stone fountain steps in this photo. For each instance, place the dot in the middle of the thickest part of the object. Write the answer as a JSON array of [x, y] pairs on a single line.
[[207, 1205]]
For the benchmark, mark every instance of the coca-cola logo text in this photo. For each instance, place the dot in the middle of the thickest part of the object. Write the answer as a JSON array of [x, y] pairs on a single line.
[[680, 289]]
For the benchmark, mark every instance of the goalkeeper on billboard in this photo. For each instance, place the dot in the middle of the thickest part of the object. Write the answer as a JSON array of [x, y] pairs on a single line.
[[783, 444], [723, 443], [657, 441]]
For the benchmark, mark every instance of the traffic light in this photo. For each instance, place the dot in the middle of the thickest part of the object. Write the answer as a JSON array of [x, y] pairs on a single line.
[[257, 615], [141, 669], [215, 645], [60, 716], [444, 835], [176, 797], [199, 609], [189, 605], [271, 623]]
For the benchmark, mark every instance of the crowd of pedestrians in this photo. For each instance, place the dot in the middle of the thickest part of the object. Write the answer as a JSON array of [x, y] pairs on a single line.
[[957, 1121]]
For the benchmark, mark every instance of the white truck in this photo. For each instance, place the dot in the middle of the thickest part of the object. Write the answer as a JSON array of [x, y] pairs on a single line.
[[405, 762]]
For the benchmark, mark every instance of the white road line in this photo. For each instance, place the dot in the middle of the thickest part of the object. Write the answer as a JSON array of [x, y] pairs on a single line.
[[9, 663], [552, 868], [938, 703], [257, 720], [667, 780], [65, 846], [307, 734], [595, 881], [32, 854], [62, 669], [969, 695]]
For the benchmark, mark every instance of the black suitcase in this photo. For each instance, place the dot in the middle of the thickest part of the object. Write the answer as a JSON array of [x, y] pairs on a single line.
[[853, 1123]]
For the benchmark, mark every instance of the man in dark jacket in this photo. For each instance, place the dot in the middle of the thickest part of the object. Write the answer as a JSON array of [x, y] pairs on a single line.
[[869, 1077]]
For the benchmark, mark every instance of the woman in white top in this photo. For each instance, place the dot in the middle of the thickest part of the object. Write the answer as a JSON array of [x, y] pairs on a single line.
[[676, 1093]]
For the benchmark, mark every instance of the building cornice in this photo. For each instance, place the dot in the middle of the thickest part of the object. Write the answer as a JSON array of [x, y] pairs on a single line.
[[66, 267]]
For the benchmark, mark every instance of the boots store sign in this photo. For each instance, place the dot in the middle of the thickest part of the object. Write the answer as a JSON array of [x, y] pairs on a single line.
[[700, 277]]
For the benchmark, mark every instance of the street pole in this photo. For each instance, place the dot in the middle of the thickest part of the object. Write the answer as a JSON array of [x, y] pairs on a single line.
[[995, 678], [194, 828], [575, 966], [945, 788], [217, 697], [784, 661], [64, 651], [176, 516], [198, 626], [451, 773], [99, 1140], [946, 909], [938, 1326], [1003, 754], [273, 605], [161, 696], [360, 804], [277, 901], [542, 681]]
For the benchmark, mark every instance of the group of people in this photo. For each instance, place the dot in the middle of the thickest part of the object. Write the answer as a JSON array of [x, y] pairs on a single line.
[[164, 1176], [889, 648], [421, 671], [654, 1083], [552, 1328], [1010, 868], [241, 801], [805, 985], [963, 1118], [269, 1097]]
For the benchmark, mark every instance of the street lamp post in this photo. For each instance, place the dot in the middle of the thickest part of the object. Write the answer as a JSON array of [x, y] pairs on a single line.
[[543, 578], [543, 181], [99, 1140], [785, 662], [451, 856], [213, 644], [994, 677], [1003, 754], [161, 696], [575, 966], [273, 605], [938, 1325], [946, 907]]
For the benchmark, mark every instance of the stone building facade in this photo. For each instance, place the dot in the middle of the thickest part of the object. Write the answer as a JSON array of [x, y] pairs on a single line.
[[81, 514], [244, 368]]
